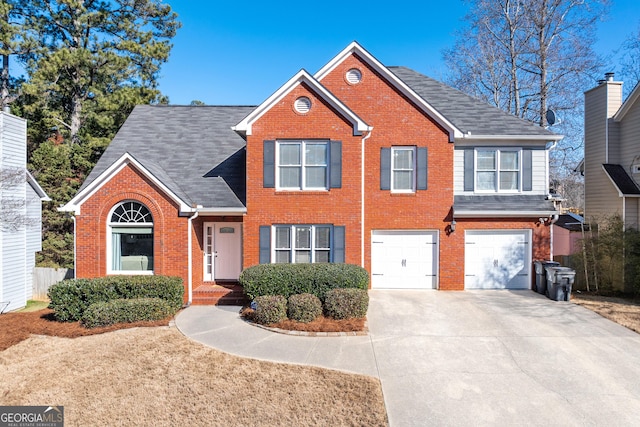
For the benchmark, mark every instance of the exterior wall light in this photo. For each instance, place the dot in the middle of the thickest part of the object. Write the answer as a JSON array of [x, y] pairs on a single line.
[[452, 226]]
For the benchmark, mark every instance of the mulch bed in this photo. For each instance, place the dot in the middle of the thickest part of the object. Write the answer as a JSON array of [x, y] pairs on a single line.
[[321, 324], [16, 327]]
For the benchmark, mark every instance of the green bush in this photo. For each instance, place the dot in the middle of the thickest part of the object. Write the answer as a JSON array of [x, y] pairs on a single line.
[[126, 311], [70, 298], [270, 309], [292, 279], [304, 307], [346, 303]]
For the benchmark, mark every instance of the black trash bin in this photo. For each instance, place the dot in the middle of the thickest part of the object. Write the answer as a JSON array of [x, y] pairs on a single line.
[[559, 283], [541, 275]]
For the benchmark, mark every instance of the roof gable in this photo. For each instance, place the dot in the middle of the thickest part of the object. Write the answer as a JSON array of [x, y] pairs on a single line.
[[359, 126], [125, 160], [355, 48]]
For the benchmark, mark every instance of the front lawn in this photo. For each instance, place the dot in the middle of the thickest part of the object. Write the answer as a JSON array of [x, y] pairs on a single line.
[[156, 376]]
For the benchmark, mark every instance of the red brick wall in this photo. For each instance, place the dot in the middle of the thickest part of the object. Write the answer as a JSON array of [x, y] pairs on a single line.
[[396, 121], [170, 231]]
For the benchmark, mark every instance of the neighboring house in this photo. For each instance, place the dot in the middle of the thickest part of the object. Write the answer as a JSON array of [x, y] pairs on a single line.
[[21, 215], [611, 165], [361, 163], [567, 236]]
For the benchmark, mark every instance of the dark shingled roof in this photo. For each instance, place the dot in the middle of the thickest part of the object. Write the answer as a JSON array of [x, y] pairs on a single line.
[[507, 203], [571, 222], [465, 112], [190, 149], [626, 185]]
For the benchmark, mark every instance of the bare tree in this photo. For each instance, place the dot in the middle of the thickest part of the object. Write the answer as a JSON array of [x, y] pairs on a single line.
[[631, 60], [527, 56]]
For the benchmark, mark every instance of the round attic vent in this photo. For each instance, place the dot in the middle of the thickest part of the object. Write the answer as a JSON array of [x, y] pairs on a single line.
[[302, 105], [354, 76]]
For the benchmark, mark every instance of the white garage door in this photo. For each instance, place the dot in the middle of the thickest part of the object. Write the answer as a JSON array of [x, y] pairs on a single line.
[[497, 259], [404, 259]]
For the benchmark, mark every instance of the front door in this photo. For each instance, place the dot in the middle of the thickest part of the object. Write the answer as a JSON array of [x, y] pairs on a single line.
[[222, 251]]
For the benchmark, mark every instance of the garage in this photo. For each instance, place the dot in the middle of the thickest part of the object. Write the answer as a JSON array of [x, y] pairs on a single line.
[[404, 259], [497, 259]]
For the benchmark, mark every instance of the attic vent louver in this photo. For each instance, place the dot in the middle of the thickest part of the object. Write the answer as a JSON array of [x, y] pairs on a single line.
[[354, 76], [302, 105]]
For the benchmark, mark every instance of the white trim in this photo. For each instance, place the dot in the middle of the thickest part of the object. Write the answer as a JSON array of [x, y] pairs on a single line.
[[109, 247], [502, 214], [620, 193], [468, 137], [245, 126], [498, 155], [414, 155], [37, 188], [125, 160], [302, 167]]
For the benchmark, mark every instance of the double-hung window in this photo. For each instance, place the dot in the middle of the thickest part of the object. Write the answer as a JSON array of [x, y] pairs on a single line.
[[302, 165], [302, 243], [403, 169], [497, 170]]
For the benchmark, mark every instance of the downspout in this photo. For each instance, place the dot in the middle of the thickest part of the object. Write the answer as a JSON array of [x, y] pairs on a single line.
[[362, 192], [190, 258], [73, 218], [554, 219]]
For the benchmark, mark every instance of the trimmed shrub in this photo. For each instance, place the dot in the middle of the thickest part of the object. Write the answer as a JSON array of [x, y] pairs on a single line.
[[126, 311], [346, 303], [70, 298], [270, 309], [304, 307], [292, 279]]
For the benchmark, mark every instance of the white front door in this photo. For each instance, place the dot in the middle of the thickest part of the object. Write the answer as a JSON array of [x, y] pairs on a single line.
[[404, 259], [497, 259], [222, 251]]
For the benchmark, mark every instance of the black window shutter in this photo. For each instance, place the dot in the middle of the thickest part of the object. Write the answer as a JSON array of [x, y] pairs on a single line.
[[335, 166], [385, 169], [422, 171], [468, 169], [338, 244], [527, 170], [265, 244], [269, 164]]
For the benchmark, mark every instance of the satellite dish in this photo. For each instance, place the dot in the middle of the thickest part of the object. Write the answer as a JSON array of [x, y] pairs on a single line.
[[551, 117]]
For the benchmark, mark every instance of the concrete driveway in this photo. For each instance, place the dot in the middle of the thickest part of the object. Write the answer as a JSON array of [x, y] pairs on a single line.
[[464, 358], [502, 358]]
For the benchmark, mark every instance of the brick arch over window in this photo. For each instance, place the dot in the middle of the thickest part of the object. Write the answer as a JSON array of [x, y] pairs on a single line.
[[130, 239], [106, 241]]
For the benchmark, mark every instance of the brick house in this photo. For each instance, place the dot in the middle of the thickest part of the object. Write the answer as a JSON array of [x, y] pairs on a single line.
[[361, 163]]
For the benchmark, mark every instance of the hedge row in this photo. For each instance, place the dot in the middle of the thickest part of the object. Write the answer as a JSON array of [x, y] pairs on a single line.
[[339, 304], [293, 279], [125, 311], [71, 298]]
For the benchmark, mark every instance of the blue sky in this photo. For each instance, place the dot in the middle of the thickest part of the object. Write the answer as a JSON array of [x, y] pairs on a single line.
[[238, 53]]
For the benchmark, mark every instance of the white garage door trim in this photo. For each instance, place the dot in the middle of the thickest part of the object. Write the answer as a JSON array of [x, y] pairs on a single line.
[[404, 259], [498, 259]]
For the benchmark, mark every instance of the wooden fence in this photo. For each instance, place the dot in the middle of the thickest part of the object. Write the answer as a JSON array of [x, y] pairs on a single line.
[[43, 278]]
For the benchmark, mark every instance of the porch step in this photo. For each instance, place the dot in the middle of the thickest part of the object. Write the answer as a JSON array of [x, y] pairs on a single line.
[[224, 293]]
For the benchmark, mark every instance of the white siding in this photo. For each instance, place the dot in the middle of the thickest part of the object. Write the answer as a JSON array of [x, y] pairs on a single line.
[[538, 164], [13, 265], [33, 237]]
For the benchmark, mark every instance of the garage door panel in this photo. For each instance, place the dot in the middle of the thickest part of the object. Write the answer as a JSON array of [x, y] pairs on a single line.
[[404, 259], [497, 259]]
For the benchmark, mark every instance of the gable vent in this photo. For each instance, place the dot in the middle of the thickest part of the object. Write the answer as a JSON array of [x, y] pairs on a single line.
[[302, 105], [354, 76]]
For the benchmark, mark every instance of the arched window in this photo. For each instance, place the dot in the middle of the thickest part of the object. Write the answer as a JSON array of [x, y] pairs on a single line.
[[130, 247]]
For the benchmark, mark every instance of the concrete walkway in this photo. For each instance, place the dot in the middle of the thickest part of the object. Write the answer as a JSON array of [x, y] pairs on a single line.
[[464, 358]]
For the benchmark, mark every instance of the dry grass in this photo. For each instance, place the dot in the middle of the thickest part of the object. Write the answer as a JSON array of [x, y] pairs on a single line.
[[624, 311], [156, 376]]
